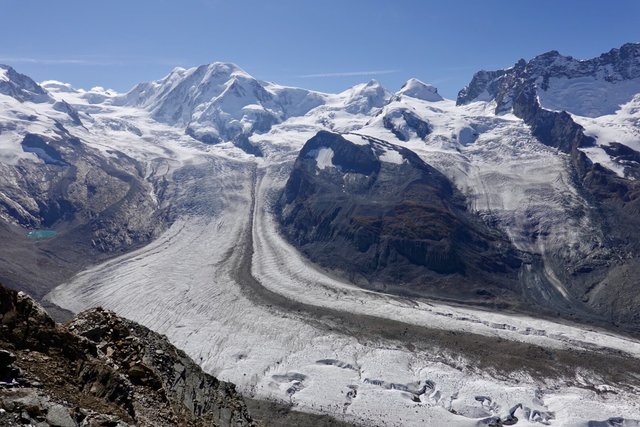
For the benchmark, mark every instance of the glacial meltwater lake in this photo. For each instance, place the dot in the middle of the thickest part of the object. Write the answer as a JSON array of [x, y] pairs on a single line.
[[41, 234]]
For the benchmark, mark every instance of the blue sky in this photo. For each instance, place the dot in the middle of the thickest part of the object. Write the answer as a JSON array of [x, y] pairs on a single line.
[[325, 45]]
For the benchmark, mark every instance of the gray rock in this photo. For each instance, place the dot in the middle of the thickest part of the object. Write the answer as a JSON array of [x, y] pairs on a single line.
[[58, 416], [25, 418]]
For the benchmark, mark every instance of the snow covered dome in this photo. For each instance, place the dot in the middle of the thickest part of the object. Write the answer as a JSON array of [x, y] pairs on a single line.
[[56, 86], [363, 97], [417, 89]]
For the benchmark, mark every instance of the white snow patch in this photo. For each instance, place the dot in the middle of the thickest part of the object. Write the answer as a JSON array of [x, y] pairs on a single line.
[[587, 96], [11, 151], [323, 156], [390, 155], [355, 139], [598, 155]]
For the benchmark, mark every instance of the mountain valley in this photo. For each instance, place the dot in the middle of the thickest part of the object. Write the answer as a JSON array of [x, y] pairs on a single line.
[[383, 258]]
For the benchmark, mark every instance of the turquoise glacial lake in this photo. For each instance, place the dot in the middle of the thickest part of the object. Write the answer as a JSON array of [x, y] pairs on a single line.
[[41, 234]]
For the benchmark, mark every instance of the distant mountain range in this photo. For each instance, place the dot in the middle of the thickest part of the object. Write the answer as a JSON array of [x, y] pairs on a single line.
[[266, 229], [522, 193]]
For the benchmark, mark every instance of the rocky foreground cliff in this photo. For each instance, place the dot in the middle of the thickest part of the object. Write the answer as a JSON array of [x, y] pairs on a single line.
[[102, 370]]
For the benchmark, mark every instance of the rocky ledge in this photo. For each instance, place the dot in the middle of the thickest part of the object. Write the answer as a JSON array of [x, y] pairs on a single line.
[[102, 370]]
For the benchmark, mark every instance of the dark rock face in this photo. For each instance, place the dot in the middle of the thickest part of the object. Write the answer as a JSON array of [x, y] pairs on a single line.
[[403, 122], [95, 203], [47, 153], [485, 85], [555, 129], [102, 370], [379, 213], [66, 108], [243, 143], [239, 139], [626, 157]]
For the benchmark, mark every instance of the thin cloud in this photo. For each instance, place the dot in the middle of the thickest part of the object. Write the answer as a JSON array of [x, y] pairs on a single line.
[[348, 74], [86, 61], [23, 60]]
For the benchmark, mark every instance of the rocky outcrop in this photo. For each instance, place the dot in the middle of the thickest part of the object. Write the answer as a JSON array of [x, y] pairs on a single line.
[[102, 370], [94, 205], [82, 189], [378, 213], [405, 124]]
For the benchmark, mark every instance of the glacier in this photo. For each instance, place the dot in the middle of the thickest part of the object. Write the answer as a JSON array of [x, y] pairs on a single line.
[[224, 285]]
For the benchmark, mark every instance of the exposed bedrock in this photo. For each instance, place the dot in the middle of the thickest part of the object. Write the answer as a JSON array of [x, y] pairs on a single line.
[[381, 215]]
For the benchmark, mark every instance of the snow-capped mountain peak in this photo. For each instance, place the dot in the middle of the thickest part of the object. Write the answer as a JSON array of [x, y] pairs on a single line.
[[414, 88], [171, 97], [21, 87], [362, 98], [590, 88], [219, 102]]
